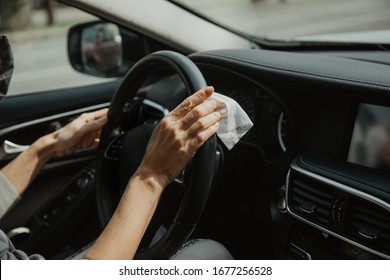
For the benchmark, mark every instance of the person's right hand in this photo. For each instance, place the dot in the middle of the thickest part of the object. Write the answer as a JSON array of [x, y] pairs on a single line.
[[179, 135]]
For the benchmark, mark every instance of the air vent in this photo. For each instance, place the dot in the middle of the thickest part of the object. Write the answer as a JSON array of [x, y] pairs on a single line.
[[310, 199], [340, 209], [369, 225]]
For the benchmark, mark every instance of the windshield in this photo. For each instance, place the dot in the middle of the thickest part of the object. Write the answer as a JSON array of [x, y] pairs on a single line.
[[365, 21]]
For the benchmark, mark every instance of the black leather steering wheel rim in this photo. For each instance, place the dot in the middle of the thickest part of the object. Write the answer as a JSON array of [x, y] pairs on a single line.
[[198, 178]]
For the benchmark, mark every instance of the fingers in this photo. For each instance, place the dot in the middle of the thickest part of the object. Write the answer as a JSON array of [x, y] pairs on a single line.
[[202, 137], [198, 116], [93, 121], [202, 121], [179, 135], [203, 124], [81, 133], [97, 123], [191, 102], [203, 128], [98, 114], [200, 111]]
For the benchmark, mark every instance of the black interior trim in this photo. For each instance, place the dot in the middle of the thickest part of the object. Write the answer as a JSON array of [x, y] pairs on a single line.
[[364, 179], [320, 71], [22, 108]]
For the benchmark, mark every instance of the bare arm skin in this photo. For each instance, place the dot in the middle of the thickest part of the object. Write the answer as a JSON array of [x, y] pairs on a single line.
[[173, 143], [84, 132]]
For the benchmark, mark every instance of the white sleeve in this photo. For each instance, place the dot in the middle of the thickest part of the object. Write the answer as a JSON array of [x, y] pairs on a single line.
[[8, 195]]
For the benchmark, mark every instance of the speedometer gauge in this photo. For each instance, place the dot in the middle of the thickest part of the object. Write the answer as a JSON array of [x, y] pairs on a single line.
[[245, 100]]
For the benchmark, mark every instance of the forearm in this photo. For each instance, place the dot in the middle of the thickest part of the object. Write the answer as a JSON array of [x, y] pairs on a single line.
[[173, 143], [24, 168], [121, 238]]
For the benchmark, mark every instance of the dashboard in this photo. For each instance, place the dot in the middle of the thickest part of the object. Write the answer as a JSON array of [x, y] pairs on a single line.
[[312, 174], [310, 179], [271, 131]]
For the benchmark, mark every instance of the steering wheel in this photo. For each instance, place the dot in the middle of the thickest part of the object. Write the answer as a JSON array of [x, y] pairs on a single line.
[[123, 143]]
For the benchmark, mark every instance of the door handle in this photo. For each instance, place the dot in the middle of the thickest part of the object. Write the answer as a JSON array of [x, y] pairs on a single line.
[[10, 149]]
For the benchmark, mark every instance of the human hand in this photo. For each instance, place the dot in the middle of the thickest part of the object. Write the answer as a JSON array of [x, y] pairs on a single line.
[[179, 135], [83, 132]]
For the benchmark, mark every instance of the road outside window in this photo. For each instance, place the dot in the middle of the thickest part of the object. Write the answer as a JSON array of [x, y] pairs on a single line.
[[40, 50]]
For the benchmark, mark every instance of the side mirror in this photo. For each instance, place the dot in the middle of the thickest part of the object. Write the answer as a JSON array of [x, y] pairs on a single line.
[[103, 49]]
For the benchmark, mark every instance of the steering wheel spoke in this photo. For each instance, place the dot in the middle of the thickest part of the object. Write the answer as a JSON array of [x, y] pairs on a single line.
[[114, 149]]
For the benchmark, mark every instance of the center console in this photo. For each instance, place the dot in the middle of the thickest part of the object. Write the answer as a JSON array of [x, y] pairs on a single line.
[[341, 209]]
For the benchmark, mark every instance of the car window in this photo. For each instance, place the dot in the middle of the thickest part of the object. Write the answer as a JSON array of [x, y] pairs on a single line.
[[40, 52], [366, 21]]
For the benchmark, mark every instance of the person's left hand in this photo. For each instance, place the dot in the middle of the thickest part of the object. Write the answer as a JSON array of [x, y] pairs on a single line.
[[83, 132]]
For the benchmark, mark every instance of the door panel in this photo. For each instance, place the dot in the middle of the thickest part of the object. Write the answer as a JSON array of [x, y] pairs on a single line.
[[60, 203]]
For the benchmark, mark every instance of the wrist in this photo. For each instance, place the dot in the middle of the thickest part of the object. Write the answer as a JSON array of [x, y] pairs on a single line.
[[150, 181], [44, 147], [31, 161]]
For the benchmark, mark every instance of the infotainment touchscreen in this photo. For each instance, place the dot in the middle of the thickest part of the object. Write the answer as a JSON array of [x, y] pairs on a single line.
[[370, 143]]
